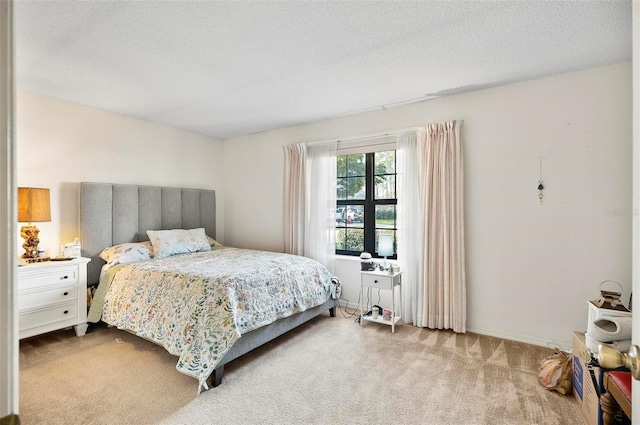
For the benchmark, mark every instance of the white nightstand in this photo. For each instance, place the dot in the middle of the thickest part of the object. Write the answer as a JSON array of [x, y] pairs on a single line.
[[380, 280], [52, 295]]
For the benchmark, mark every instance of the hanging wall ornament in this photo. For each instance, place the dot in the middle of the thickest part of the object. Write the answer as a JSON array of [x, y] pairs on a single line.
[[540, 185]]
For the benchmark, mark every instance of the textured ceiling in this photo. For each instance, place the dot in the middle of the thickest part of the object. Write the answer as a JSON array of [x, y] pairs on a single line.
[[232, 68]]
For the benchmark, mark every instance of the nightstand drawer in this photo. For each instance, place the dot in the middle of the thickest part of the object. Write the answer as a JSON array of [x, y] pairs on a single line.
[[375, 281], [49, 315], [47, 296], [47, 276]]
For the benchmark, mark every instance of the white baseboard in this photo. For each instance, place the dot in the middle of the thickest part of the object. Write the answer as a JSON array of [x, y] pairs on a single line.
[[566, 346], [520, 338], [352, 305]]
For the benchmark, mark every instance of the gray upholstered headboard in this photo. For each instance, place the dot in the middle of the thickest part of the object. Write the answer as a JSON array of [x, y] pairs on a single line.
[[111, 214]]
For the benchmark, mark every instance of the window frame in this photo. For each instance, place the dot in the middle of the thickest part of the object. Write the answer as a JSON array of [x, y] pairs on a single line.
[[369, 204]]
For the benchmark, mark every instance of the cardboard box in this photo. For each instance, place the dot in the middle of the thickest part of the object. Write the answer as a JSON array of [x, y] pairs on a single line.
[[584, 389]]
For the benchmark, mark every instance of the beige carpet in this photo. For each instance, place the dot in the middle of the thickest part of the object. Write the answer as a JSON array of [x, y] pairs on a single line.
[[329, 371]]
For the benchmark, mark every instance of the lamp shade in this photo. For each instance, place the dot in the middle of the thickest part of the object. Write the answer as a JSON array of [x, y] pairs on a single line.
[[385, 245], [33, 205]]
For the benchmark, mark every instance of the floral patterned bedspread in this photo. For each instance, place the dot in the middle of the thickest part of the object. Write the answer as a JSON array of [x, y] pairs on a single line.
[[197, 305]]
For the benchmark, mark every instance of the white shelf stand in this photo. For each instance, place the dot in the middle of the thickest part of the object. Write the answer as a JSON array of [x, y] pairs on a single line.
[[380, 280]]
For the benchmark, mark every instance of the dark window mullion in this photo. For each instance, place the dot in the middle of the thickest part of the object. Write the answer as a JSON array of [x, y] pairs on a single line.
[[370, 213]]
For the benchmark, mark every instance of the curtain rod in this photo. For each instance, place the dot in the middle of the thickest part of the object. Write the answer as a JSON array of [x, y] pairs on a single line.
[[364, 136]]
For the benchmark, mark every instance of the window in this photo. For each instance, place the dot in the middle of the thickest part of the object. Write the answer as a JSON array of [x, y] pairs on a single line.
[[366, 201]]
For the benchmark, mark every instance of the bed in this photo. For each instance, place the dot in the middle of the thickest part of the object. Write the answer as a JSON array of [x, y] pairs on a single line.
[[198, 304]]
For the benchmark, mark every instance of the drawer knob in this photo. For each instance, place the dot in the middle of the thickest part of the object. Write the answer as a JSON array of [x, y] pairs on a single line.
[[375, 281], [66, 293], [64, 277], [66, 312]]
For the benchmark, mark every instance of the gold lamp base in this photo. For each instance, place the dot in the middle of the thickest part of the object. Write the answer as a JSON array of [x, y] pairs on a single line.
[[30, 235]]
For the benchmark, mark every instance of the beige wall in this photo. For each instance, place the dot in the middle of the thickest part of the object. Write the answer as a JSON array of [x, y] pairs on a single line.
[[60, 144], [530, 268]]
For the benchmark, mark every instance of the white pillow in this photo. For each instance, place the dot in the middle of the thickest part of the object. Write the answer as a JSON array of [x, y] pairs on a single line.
[[178, 241], [126, 253]]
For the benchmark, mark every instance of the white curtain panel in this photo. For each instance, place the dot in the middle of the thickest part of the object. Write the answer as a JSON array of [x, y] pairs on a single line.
[[433, 225], [310, 201], [411, 232], [319, 241], [295, 183]]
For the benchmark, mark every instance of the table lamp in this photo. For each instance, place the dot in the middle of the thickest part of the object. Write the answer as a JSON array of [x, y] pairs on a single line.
[[385, 248], [33, 206]]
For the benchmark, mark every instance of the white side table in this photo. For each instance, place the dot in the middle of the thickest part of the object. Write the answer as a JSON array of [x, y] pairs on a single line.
[[52, 295], [380, 280]]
